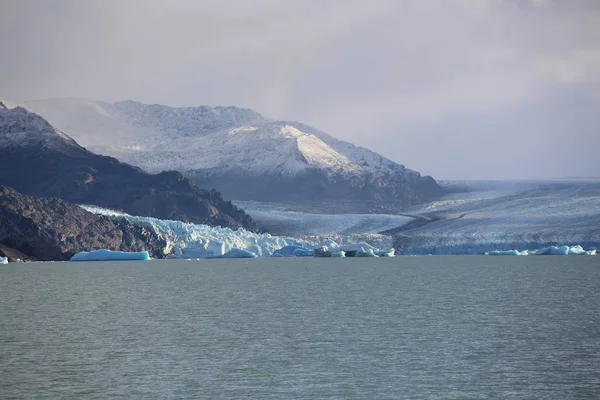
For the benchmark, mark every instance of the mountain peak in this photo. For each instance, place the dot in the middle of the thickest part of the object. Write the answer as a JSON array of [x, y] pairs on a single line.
[[19, 127], [237, 148], [38, 159]]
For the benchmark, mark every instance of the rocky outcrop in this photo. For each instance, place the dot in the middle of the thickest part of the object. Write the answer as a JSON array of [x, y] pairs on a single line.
[[36, 159], [51, 229]]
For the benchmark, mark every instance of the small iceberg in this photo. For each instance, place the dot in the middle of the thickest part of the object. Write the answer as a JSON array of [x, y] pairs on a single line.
[[338, 254], [366, 253], [293, 251], [239, 253], [109, 255], [546, 251], [505, 253], [193, 252], [386, 253], [3, 260]]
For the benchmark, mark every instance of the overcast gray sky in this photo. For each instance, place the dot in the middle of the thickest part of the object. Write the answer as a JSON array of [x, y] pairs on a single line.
[[458, 89]]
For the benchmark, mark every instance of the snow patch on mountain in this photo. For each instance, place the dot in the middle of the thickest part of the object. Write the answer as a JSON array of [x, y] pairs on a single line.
[[254, 150]]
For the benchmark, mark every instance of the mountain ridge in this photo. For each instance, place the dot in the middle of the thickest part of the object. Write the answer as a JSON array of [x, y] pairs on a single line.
[[39, 160], [234, 149]]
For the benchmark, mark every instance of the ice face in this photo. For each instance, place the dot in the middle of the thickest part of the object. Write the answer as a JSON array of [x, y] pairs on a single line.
[[187, 240], [108, 255], [200, 241]]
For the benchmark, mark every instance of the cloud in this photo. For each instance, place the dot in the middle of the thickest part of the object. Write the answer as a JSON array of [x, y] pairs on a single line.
[[387, 74]]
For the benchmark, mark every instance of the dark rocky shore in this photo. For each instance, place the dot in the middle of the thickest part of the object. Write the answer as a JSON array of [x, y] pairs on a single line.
[[50, 229]]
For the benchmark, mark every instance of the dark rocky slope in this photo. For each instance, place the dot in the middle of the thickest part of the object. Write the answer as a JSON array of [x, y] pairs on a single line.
[[366, 193], [37, 159], [51, 229]]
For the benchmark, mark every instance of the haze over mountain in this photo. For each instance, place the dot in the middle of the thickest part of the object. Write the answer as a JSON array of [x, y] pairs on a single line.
[[239, 152], [456, 89]]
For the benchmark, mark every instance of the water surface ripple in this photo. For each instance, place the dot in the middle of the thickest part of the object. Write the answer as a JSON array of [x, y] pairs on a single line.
[[410, 327]]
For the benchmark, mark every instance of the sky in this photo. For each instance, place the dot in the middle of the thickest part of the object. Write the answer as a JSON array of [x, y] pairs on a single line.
[[456, 89]]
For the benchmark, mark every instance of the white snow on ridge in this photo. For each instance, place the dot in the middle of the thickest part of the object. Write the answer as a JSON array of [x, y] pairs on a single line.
[[220, 139], [265, 149], [20, 128]]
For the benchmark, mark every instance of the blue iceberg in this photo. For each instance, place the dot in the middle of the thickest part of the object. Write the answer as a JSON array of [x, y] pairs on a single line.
[[238, 253], [293, 251], [546, 251], [505, 253], [3, 260], [366, 253], [108, 255], [386, 253]]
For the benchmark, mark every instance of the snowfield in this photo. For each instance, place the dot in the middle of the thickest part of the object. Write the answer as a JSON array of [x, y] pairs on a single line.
[[158, 138], [284, 222], [507, 216]]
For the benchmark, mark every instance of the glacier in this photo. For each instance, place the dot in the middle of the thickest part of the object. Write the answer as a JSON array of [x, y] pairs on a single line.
[[480, 217], [279, 220], [188, 240], [497, 218], [108, 255]]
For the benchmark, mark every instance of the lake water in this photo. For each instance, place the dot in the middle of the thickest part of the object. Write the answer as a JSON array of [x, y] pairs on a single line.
[[409, 327]]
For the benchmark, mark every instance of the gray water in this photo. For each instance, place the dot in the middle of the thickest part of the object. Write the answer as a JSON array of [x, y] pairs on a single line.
[[409, 327]]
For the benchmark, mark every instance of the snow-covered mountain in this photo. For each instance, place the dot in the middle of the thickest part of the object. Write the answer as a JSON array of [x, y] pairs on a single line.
[[37, 159], [21, 128], [237, 151]]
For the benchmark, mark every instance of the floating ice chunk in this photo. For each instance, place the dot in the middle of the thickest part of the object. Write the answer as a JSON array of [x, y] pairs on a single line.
[[576, 250], [366, 253], [338, 254], [553, 251], [239, 253], [108, 255], [546, 251], [386, 253], [293, 251], [3, 260], [504, 253], [194, 252]]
